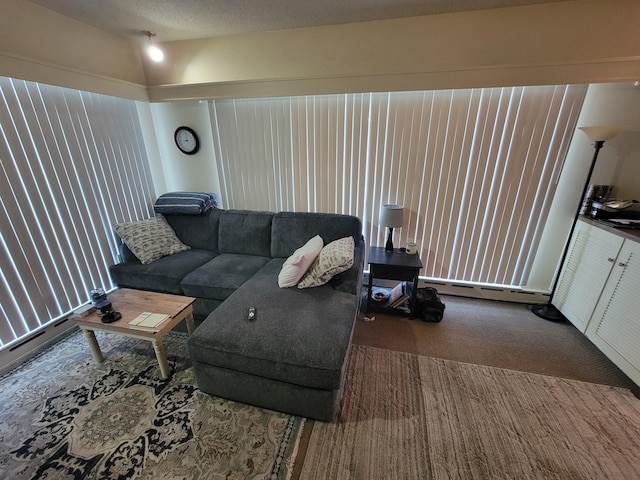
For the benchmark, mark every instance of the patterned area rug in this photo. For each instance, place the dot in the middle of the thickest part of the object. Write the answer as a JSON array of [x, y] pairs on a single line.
[[406, 416], [65, 416]]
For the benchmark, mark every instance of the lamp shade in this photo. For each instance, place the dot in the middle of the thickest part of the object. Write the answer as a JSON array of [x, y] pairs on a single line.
[[392, 216], [602, 133]]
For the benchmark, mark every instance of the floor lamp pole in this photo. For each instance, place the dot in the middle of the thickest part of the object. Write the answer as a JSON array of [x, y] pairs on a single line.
[[547, 310]]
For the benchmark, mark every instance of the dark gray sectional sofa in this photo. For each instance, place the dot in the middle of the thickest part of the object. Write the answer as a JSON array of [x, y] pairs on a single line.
[[293, 356]]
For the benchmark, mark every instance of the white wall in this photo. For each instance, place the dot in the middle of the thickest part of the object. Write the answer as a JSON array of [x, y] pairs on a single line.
[[579, 41], [183, 172], [573, 41], [152, 147], [40, 45], [619, 160], [618, 164]]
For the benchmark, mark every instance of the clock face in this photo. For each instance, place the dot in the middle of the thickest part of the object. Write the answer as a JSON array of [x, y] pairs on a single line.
[[187, 140]]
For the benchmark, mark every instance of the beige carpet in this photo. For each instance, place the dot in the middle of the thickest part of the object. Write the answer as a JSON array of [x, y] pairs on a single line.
[[498, 334], [407, 417]]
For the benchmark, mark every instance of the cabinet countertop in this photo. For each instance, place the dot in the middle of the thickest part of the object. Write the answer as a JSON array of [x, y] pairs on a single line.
[[627, 233]]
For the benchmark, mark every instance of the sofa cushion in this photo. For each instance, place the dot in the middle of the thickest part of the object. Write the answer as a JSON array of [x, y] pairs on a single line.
[[300, 337], [163, 275], [292, 229], [220, 277], [247, 232], [334, 258], [296, 266], [197, 231], [150, 239]]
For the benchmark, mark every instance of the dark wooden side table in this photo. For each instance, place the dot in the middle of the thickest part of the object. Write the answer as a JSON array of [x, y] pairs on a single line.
[[396, 265]]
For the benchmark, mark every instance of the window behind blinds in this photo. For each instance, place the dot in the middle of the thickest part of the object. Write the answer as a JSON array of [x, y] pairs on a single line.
[[475, 169], [72, 164]]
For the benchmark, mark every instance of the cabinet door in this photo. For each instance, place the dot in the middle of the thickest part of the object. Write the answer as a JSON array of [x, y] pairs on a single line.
[[591, 256], [615, 326]]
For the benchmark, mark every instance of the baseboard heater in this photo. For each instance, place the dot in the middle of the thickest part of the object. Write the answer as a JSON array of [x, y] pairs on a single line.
[[505, 294], [40, 338]]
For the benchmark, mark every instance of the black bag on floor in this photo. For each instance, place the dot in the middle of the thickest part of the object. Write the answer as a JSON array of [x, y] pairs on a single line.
[[428, 306]]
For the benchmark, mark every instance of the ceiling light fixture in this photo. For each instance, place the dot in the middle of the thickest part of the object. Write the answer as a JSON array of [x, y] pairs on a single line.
[[153, 50]]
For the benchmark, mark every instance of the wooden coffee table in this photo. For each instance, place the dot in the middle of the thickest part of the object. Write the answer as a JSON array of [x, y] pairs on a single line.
[[131, 303]]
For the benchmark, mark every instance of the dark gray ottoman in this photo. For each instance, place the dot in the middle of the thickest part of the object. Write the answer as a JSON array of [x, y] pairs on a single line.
[[292, 358]]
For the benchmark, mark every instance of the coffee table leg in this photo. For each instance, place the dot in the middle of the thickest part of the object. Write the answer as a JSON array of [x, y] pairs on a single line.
[[93, 343], [161, 355], [190, 324]]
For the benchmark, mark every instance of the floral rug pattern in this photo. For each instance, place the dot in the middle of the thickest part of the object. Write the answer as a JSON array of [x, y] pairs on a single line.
[[65, 416]]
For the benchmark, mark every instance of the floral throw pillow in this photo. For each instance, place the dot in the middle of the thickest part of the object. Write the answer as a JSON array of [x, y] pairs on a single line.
[[150, 239], [334, 258]]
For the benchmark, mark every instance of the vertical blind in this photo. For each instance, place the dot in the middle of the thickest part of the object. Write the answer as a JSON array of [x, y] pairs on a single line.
[[72, 164], [475, 169]]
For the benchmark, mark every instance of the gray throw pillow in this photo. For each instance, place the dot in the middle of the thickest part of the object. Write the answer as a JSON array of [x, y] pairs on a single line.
[[150, 239]]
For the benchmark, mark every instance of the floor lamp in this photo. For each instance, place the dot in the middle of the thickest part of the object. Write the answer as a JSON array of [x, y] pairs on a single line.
[[598, 135]]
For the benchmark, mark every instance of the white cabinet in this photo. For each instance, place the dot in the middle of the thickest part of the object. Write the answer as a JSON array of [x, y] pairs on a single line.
[[615, 325], [599, 292], [591, 256]]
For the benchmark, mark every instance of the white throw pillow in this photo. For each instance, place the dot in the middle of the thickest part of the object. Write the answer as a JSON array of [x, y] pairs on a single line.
[[335, 257], [150, 239], [297, 264]]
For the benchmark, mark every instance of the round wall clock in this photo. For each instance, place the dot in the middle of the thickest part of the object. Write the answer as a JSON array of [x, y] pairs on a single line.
[[186, 140]]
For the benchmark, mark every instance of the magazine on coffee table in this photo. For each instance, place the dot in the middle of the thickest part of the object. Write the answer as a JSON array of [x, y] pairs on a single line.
[[148, 320]]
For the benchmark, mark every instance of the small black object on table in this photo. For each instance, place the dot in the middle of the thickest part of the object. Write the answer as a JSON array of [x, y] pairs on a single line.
[[395, 265]]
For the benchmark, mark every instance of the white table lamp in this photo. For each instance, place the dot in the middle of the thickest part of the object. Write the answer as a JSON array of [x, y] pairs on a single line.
[[391, 216]]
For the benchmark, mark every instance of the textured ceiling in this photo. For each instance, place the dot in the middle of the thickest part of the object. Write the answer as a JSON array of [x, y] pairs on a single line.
[[189, 19]]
